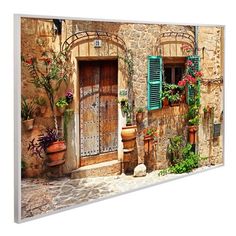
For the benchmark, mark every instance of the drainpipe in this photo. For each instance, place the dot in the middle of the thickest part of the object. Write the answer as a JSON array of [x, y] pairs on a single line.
[[196, 40]]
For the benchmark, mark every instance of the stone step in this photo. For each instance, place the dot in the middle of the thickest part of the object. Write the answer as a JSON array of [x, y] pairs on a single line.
[[97, 170]]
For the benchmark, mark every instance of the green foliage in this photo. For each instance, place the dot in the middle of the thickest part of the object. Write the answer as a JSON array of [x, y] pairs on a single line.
[[183, 159], [188, 164], [48, 72], [193, 115], [61, 102], [140, 110], [171, 92], [40, 101], [27, 108], [126, 108], [175, 149]]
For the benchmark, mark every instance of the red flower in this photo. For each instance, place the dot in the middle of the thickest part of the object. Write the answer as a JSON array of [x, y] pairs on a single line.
[[29, 62], [182, 83], [198, 74]]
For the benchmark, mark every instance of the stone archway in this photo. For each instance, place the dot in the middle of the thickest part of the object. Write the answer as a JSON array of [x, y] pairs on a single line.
[[81, 47]]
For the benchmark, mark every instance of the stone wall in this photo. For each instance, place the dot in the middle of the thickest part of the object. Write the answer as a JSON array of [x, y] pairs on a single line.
[[211, 51]]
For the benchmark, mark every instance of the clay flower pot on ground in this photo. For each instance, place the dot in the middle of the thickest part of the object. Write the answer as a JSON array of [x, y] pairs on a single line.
[[56, 153], [49, 143], [128, 135], [192, 133]]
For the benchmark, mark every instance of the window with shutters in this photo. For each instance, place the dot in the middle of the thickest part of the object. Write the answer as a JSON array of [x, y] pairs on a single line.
[[164, 73], [154, 82]]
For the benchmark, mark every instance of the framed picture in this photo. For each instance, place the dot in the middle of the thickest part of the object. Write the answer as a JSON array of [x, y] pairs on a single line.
[[107, 107]]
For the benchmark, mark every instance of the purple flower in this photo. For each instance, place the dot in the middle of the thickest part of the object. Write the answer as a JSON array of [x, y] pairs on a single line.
[[69, 96]]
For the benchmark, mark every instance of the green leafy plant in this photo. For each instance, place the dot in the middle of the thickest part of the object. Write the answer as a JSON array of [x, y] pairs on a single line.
[[140, 110], [150, 131], [126, 108], [48, 72], [171, 92], [175, 149], [27, 108], [193, 116], [187, 163], [40, 101], [61, 102]]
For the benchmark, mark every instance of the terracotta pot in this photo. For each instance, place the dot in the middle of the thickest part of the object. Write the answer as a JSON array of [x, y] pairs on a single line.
[[174, 104], [183, 98], [139, 117], [56, 153], [165, 102], [28, 124], [192, 134], [61, 109], [128, 135], [148, 143]]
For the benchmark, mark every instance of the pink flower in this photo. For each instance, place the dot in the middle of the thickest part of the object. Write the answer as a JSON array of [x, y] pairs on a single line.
[[189, 63]]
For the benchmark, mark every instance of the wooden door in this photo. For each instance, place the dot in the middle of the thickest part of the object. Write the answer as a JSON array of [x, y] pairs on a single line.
[[98, 107], [108, 107]]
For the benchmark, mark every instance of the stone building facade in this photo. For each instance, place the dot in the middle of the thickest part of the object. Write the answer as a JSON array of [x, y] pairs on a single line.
[[142, 40]]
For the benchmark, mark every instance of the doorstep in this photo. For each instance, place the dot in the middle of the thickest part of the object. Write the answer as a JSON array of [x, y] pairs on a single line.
[[107, 168]]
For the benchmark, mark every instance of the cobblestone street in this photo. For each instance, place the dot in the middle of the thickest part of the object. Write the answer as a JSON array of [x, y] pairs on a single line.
[[42, 195]]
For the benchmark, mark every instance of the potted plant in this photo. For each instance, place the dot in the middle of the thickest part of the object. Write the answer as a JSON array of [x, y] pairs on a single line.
[[128, 133], [27, 112], [150, 136], [49, 72], [62, 104], [174, 97], [51, 144], [166, 94], [207, 112], [139, 115], [42, 104], [193, 117]]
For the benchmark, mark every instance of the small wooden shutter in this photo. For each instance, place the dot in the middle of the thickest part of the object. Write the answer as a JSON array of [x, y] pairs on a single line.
[[196, 61], [154, 82]]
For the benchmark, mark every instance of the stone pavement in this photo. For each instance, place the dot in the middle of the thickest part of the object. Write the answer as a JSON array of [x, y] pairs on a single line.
[[42, 195]]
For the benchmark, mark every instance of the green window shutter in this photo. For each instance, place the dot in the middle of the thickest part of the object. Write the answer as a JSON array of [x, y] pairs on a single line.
[[154, 82], [196, 61]]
